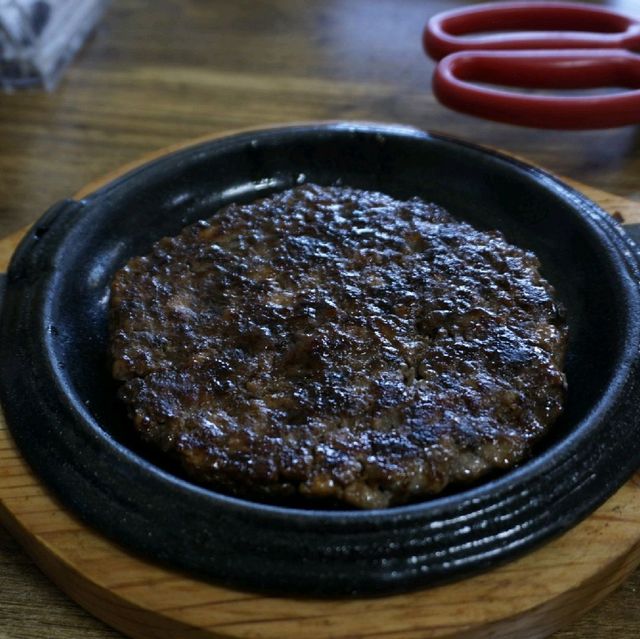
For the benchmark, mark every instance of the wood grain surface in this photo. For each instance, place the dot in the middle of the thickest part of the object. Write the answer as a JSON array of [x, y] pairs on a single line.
[[156, 73]]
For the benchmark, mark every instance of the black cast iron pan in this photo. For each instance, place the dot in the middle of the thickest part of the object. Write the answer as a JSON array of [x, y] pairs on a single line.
[[60, 403]]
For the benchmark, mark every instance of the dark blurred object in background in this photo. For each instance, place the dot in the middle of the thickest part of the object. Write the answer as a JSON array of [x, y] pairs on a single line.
[[38, 38]]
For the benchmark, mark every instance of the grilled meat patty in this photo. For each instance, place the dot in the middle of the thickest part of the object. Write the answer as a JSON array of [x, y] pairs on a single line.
[[338, 344]]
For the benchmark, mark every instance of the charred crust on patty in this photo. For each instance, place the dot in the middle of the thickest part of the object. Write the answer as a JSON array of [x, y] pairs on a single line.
[[340, 345]]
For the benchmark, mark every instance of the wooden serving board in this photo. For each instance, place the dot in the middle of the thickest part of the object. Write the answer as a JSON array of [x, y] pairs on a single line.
[[530, 597]]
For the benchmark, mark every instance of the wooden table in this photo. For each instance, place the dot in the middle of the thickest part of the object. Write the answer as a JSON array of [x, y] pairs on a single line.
[[157, 73]]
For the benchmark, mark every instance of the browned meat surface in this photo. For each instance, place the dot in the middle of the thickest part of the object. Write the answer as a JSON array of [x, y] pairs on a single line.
[[338, 344]]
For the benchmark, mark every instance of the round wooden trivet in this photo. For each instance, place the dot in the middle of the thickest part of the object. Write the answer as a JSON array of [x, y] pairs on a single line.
[[531, 597]]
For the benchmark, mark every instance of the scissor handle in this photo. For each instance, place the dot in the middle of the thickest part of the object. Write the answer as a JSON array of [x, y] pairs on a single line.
[[534, 25], [454, 77]]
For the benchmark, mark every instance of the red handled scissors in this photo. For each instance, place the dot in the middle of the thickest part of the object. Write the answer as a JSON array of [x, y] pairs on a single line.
[[555, 45]]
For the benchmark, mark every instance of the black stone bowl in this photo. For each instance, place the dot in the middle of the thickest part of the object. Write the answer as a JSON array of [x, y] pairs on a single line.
[[61, 408]]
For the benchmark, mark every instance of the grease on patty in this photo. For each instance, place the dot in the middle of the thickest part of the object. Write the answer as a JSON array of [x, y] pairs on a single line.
[[340, 345]]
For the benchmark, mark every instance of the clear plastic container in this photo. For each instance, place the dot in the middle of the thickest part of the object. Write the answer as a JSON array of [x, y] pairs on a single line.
[[38, 38]]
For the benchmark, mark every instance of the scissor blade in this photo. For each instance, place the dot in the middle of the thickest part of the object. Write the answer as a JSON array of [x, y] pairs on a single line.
[[633, 231]]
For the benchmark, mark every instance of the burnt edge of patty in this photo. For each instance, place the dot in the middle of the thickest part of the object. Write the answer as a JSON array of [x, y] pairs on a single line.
[[339, 345]]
